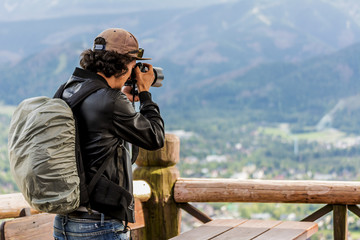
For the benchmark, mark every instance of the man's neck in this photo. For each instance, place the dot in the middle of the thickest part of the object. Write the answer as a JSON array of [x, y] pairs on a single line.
[[113, 81]]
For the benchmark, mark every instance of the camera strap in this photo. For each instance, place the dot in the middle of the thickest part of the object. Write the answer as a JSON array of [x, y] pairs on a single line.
[[134, 92]]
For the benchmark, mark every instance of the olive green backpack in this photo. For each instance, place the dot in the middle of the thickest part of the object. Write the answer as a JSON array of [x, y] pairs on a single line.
[[44, 152]]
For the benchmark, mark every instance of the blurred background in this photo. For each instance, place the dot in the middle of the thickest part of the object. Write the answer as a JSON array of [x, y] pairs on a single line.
[[265, 89]]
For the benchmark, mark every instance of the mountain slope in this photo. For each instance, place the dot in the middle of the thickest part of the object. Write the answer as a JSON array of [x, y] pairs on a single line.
[[231, 34], [299, 93], [253, 60]]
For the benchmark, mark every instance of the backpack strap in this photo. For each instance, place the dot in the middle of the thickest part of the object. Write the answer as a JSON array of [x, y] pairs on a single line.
[[88, 87], [60, 91], [110, 193]]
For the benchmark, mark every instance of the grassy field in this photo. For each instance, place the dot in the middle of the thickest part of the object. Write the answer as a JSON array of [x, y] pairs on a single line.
[[325, 136]]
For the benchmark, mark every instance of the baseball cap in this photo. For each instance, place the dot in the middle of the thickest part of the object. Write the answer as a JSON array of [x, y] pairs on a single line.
[[120, 41]]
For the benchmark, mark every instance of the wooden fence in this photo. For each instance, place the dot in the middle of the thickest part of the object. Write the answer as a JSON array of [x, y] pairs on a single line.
[[170, 193], [167, 194]]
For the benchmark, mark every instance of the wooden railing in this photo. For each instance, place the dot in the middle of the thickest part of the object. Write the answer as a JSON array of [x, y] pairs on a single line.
[[167, 194], [14, 205], [266, 191], [171, 193], [25, 223], [338, 196]]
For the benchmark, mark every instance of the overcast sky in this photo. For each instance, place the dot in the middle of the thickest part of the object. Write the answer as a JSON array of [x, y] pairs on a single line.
[[13, 10]]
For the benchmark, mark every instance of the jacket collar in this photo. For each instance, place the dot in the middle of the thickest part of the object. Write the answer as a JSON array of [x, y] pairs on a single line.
[[85, 74]]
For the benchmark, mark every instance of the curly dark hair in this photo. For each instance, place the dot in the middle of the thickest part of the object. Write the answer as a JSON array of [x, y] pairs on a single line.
[[107, 62]]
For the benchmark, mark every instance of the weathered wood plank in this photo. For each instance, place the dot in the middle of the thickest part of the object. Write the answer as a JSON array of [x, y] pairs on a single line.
[[139, 216], [248, 230], [354, 209], [340, 222], [138, 228], [12, 204], [282, 191], [196, 213], [210, 230], [39, 227], [290, 230], [319, 213]]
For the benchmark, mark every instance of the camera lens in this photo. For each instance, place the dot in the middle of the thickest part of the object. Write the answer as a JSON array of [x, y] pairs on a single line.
[[159, 76]]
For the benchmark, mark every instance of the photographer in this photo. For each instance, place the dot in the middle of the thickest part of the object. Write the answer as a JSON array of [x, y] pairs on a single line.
[[107, 124]]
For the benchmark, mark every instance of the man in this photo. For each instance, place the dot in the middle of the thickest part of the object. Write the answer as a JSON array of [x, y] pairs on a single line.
[[107, 124]]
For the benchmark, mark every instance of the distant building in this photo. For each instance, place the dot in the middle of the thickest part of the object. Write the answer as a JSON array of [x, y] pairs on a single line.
[[259, 174], [241, 175], [181, 134], [320, 176], [191, 159], [216, 158], [263, 216]]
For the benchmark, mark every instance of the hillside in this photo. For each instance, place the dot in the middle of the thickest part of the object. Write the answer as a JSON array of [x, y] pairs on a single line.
[[222, 37], [241, 30], [297, 93], [228, 67], [241, 61]]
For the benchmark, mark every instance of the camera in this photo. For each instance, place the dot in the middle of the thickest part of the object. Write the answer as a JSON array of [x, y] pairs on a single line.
[[158, 77], [158, 74]]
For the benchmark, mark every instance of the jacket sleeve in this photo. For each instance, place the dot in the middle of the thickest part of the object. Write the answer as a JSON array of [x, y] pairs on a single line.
[[145, 128]]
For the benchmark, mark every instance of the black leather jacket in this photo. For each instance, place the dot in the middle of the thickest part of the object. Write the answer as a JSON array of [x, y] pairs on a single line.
[[108, 121]]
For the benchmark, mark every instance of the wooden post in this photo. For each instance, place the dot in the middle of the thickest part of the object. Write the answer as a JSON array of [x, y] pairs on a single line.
[[340, 222], [157, 168]]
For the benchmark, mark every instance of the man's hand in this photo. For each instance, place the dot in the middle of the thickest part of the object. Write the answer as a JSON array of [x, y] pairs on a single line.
[[127, 91], [144, 79]]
